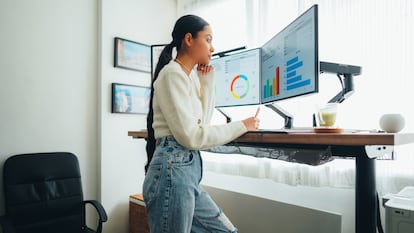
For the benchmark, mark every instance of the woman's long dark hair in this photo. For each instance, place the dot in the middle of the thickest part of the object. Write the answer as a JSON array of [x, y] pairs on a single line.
[[186, 24]]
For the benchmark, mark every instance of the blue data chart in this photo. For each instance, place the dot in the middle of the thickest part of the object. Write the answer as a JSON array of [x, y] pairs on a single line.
[[294, 81]]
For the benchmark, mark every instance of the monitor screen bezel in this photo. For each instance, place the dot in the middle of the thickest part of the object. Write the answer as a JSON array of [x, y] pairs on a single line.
[[314, 9]]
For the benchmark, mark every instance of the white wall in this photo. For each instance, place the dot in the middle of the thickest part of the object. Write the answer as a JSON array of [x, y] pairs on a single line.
[[123, 158], [48, 82], [331, 200], [250, 213], [56, 67]]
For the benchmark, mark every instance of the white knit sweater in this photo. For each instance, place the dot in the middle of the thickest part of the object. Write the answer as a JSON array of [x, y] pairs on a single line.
[[183, 107]]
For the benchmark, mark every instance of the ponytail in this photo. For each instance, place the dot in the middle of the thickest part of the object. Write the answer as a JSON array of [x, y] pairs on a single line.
[[165, 57]]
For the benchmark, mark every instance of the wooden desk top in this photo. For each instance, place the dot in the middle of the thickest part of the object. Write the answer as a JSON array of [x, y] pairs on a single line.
[[345, 139]]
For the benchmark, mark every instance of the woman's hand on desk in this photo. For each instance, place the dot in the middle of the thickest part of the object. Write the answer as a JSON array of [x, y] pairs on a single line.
[[252, 123]]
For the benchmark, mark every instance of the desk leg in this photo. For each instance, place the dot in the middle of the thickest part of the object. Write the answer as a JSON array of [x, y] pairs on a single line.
[[365, 195]]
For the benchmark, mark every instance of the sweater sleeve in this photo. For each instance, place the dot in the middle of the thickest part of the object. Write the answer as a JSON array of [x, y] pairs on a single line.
[[176, 103], [207, 95]]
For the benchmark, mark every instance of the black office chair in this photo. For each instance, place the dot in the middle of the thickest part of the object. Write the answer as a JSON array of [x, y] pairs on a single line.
[[43, 194]]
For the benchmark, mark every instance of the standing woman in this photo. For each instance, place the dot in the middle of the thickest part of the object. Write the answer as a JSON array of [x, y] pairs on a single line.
[[181, 107]]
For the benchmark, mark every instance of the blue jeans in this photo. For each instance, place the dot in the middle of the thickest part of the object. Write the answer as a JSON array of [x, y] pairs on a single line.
[[174, 199]]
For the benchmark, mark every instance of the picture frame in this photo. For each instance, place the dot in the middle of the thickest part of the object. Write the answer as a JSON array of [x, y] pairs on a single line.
[[130, 99], [132, 55], [155, 56]]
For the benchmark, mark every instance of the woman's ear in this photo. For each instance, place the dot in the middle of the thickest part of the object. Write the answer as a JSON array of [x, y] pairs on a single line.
[[188, 39]]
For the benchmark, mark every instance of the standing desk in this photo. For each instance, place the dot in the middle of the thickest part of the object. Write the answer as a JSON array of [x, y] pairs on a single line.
[[364, 146]]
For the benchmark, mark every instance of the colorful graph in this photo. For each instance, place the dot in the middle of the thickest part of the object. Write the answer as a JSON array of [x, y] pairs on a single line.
[[240, 86], [292, 79], [272, 86]]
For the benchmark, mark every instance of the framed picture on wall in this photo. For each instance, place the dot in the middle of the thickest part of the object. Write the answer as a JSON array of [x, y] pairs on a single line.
[[132, 55], [130, 99], [155, 55]]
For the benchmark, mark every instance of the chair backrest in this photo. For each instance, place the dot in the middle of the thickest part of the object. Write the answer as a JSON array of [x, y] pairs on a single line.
[[43, 192]]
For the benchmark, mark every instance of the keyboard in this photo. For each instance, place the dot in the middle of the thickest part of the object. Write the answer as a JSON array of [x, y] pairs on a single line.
[[285, 131], [307, 130]]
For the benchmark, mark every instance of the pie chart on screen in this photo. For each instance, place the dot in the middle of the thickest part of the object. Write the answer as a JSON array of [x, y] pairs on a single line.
[[240, 86]]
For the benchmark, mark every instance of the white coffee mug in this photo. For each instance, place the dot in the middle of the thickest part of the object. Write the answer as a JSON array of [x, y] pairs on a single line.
[[392, 122]]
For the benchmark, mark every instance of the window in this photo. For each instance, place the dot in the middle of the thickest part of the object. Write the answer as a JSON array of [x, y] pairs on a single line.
[[374, 34]]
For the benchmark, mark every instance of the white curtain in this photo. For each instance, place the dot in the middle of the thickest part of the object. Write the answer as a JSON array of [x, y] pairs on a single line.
[[191, 6], [226, 18], [377, 35], [238, 23]]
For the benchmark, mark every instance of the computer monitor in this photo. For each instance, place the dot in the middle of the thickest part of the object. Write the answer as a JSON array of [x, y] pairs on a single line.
[[237, 78], [290, 64]]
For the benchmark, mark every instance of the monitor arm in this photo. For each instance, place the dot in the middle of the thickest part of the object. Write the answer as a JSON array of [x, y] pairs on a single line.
[[347, 90], [228, 118], [287, 116], [225, 53], [348, 72]]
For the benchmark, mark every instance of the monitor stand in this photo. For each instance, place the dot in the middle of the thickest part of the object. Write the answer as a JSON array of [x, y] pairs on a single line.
[[228, 118], [287, 116]]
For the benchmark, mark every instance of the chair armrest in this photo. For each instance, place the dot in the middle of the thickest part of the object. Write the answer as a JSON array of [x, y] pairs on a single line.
[[99, 208], [101, 213], [6, 225]]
